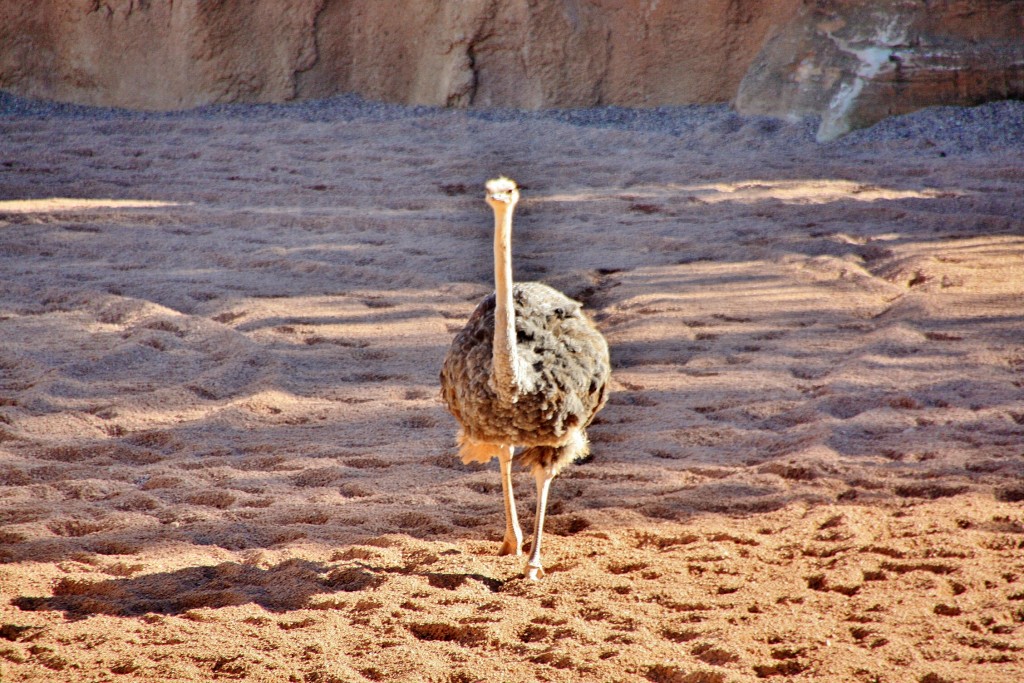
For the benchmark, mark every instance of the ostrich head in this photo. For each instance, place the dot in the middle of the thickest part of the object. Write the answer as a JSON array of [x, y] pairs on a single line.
[[502, 193]]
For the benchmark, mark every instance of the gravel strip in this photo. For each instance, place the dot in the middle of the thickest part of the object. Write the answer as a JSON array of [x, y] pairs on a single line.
[[988, 128]]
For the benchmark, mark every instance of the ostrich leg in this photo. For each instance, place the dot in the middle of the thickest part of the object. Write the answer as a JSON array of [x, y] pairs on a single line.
[[513, 541], [544, 475]]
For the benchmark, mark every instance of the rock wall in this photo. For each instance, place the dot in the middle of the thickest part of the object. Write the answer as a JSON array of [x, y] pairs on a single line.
[[850, 61], [156, 54], [854, 62], [163, 54], [540, 53]]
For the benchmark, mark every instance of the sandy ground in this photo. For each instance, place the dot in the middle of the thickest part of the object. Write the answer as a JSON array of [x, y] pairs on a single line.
[[223, 456]]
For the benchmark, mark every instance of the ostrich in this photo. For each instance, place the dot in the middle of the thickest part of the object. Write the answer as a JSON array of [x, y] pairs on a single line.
[[528, 369]]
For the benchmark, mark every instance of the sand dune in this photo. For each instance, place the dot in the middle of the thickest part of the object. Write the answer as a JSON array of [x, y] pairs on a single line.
[[222, 455]]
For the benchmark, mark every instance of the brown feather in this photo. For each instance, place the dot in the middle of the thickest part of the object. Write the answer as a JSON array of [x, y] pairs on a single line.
[[566, 365]]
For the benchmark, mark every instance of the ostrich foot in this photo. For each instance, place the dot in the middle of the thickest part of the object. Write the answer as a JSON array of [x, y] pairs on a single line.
[[511, 545]]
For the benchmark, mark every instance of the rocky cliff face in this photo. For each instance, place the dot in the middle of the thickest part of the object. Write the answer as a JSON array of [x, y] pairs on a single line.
[[540, 53], [159, 54], [855, 62], [156, 54], [850, 61]]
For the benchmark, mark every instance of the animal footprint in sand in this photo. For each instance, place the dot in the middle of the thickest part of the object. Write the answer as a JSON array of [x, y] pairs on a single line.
[[462, 634]]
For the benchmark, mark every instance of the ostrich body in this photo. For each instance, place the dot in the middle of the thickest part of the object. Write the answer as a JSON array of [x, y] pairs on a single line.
[[529, 370]]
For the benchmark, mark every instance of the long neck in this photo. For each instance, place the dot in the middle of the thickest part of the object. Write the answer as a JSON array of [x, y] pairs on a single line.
[[505, 378]]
